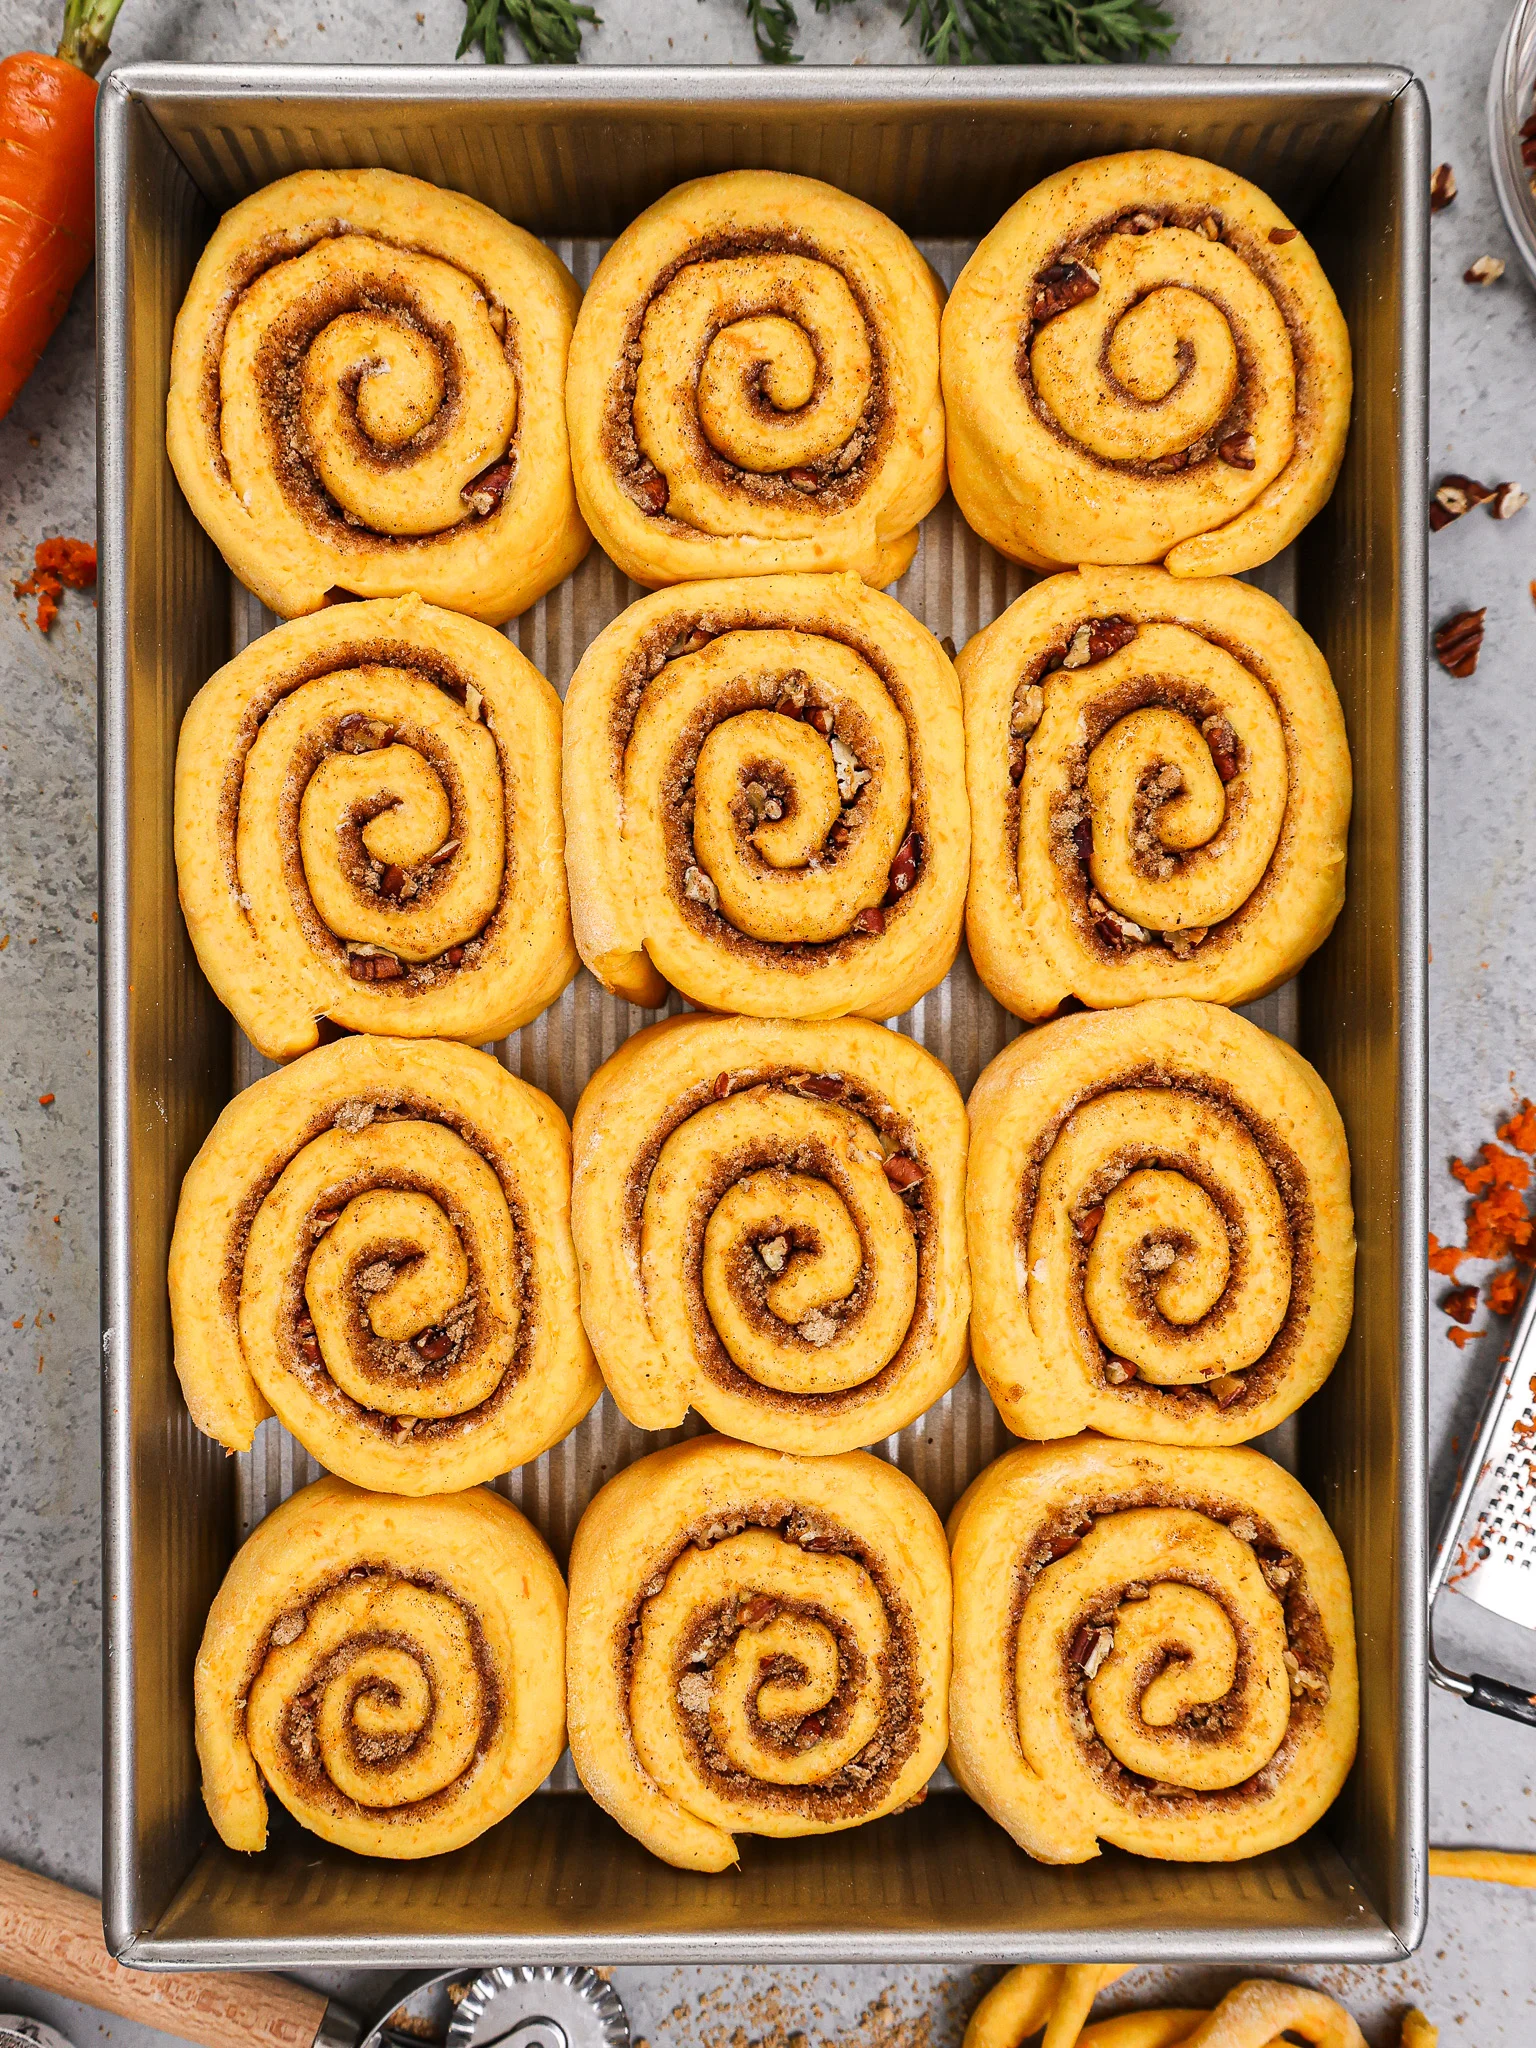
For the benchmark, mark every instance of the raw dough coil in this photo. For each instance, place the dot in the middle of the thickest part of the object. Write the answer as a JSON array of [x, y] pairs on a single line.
[[758, 1644], [1161, 1234], [769, 1220], [1160, 788], [368, 829], [390, 1669], [1143, 362], [765, 800], [375, 1244], [1152, 1647], [1260, 2013], [754, 386], [367, 397]]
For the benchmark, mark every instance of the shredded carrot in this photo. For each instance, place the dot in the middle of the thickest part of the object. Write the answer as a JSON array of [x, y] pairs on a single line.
[[1462, 1338], [1503, 1292], [57, 565], [1520, 1131], [1444, 1258]]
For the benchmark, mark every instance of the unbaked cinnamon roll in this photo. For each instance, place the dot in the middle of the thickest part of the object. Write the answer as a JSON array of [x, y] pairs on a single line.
[[368, 829], [1257, 2014], [765, 800], [770, 1224], [375, 1244], [367, 397], [1153, 1648], [390, 1669], [1162, 1239], [1143, 362], [758, 1644], [754, 386], [1160, 791]]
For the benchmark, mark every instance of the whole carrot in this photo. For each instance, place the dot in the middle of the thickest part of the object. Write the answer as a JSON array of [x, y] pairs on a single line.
[[47, 184]]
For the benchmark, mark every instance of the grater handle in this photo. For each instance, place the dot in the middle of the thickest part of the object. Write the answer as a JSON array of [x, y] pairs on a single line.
[[1495, 1697]]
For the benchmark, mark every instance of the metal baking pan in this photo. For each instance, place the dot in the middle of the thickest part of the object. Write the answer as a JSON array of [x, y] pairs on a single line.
[[574, 155]]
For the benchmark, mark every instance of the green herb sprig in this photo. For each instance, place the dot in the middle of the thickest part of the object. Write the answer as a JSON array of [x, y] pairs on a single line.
[[949, 31]]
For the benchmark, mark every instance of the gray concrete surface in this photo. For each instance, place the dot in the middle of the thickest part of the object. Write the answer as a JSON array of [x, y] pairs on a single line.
[[1477, 1970]]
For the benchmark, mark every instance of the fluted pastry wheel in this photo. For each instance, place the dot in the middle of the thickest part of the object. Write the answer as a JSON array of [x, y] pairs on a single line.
[[770, 1223], [375, 1244], [758, 1644], [389, 1669], [367, 397], [754, 385], [1161, 1232], [1153, 1648], [368, 829], [1144, 362], [1160, 791], [765, 800]]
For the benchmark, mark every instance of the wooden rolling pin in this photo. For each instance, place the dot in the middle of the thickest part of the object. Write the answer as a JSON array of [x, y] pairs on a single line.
[[51, 1936]]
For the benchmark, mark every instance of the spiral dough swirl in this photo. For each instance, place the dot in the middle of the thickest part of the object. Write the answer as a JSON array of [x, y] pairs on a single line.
[[367, 398], [754, 386], [368, 829], [389, 1668], [1153, 1647], [791, 1259], [764, 795], [375, 1244], [1160, 788], [1161, 1235], [759, 1644], [1143, 362]]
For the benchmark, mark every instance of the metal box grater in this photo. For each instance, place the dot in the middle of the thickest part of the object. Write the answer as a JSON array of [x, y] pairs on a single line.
[[574, 156]]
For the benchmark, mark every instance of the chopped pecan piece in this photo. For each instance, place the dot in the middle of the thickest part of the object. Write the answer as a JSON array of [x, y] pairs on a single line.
[[1109, 926], [1455, 495], [824, 1087], [1460, 1304], [903, 1173], [1244, 1528], [1082, 838], [1210, 227], [1225, 1388], [689, 642], [393, 880], [1181, 943], [1442, 188], [483, 493], [1505, 500], [869, 921], [1169, 465], [1459, 641], [1060, 286], [1137, 224], [1219, 736], [433, 1345], [1486, 270], [1239, 451], [904, 866], [649, 491], [1117, 1371], [804, 479], [1087, 1225], [1282, 235], [446, 851], [454, 956], [1090, 1647], [774, 1253], [1028, 709], [820, 718], [698, 888], [758, 1609], [373, 966], [357, 733], [721, 1087]]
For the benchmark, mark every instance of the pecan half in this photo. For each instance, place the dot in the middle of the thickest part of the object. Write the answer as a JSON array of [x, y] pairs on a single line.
[[1459, 641], [1442, 188], [483, 493], [1060, 286]]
